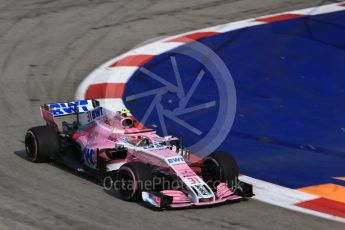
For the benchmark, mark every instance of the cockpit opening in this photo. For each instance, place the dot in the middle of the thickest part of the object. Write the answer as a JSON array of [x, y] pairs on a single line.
[[127, 123]]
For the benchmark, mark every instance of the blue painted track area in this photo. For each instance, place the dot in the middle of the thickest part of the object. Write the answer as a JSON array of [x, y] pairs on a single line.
[[289, 127]]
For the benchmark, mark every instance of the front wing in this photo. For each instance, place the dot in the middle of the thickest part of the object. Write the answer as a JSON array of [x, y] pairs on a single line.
[[171, 199]]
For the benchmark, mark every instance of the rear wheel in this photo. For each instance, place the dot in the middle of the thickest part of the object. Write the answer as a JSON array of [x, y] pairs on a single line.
[[220, 167], [41, 143], [132, 179]]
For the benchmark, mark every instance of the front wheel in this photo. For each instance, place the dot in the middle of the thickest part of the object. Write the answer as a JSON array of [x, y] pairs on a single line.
[[41, 143], [132, 179], [220, 167]]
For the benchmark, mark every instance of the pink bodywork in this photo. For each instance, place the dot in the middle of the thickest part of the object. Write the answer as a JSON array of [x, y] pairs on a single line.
[[107, 130], [104, 131]]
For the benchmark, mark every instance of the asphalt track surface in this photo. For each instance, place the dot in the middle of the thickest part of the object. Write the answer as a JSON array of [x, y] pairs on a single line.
[[47, 47]]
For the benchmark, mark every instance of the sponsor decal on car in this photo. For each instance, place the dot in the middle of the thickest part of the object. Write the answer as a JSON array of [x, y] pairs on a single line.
[[175, 160], [94, 114], [66, 108], [124, 139], [88, 156]]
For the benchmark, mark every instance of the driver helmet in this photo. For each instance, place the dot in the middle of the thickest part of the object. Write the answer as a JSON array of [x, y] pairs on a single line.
[[124, 112]]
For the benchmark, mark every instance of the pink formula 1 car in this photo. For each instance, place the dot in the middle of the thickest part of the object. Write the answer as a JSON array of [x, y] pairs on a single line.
[[131, 158]]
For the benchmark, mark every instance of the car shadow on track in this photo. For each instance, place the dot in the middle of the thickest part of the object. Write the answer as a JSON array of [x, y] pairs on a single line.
[[22, 154]]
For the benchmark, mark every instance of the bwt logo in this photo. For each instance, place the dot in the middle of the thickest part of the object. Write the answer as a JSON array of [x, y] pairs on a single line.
[[92, 115], [175, 160], [60, 109]]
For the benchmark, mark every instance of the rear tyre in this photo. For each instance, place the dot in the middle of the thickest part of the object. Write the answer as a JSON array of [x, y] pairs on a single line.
[[220, 167], [41, 143], [132, 179]]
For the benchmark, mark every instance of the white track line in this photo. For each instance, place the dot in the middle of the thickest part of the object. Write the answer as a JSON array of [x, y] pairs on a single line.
[[284, 197]]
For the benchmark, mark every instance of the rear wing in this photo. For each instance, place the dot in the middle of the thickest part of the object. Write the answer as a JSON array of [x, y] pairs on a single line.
[[50, 111], [73, 107]]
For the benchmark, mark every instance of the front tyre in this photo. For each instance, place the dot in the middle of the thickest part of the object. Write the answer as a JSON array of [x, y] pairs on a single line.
[[41, 143], [132, 179], [220, 167]]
